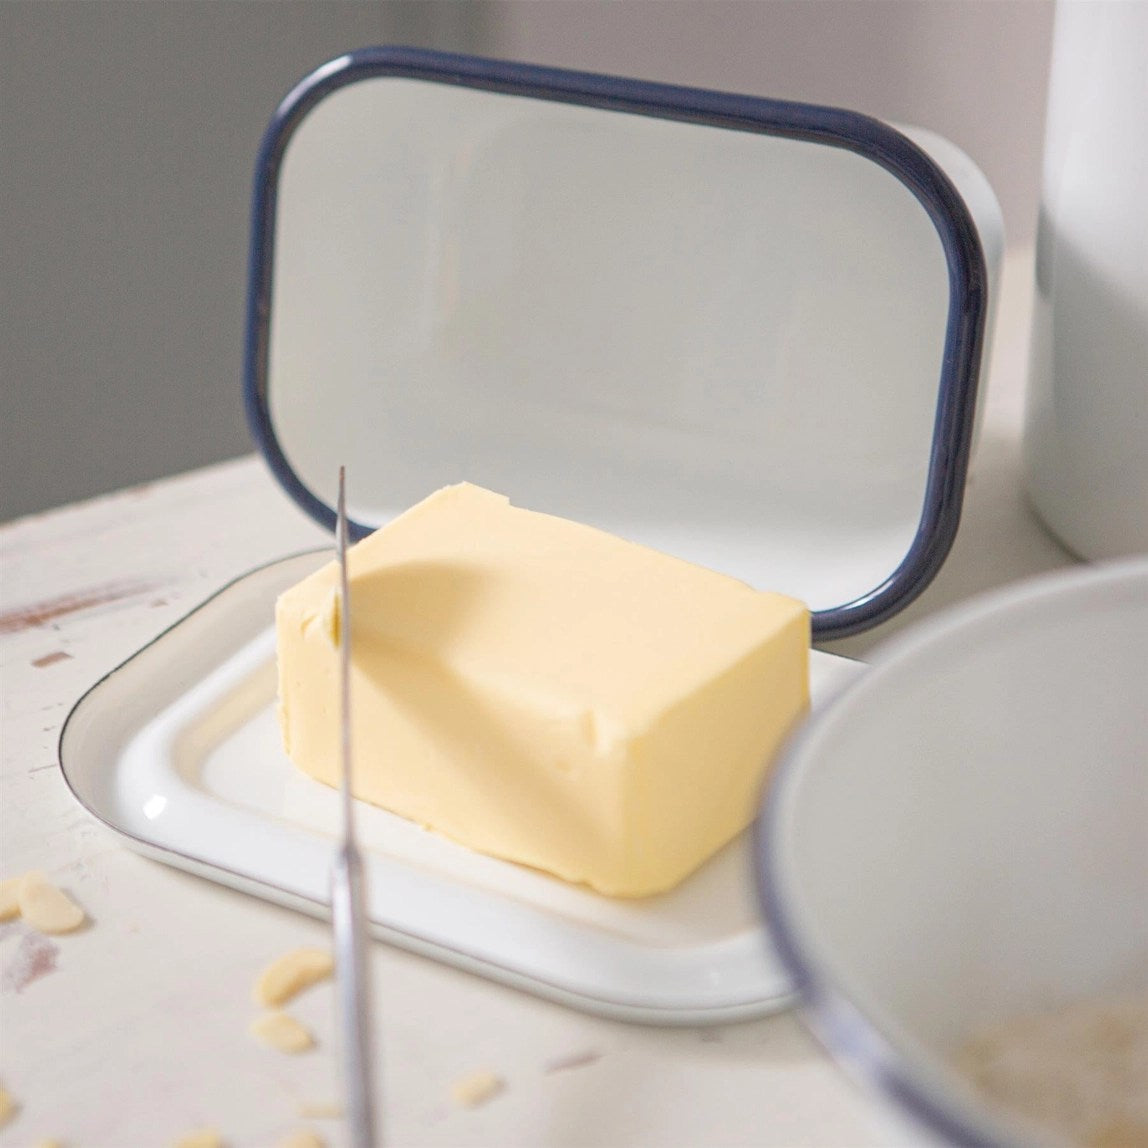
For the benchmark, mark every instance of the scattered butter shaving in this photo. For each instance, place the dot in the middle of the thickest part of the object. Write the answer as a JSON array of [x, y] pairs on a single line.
[[305, 1138], [476, 1089], [49, 1144], [9, 899], [320, 1110], [45, 907], [200, 1138], [281, 1032], [7, 1107], [290, 974]]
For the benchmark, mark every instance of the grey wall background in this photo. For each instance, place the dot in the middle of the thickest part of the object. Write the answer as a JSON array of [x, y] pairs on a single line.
[[128, 131]]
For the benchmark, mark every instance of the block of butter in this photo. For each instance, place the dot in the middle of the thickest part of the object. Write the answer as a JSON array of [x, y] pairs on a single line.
[[545, 692]]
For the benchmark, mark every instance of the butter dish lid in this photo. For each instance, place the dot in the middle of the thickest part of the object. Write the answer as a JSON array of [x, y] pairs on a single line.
[[745, 331]]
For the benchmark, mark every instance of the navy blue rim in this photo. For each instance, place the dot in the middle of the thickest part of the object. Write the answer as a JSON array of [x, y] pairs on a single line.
[[842, 1027], [835, 127]]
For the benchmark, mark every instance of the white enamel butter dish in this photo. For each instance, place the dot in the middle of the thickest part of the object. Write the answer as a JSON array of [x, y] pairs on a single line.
[[744, 331], [178, 750]]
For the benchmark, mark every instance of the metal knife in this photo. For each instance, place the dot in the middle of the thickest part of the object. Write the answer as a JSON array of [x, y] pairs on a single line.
[[348, 896]]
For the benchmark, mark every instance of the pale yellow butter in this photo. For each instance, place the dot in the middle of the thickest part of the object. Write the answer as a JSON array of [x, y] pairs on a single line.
[[545, 692]]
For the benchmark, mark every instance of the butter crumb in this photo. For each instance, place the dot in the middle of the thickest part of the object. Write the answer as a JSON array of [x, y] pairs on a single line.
[[46, 908], [7, 1107], [320, 1110], [281, 1032], [305, 1138], [9, 900], [200, 1138], [50, 1144], [290, 974], [476, 1089], [1078, 1070], [1120, 1135]]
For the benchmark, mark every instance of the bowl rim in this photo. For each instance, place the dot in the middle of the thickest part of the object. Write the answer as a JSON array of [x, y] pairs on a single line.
[[901, 1072]]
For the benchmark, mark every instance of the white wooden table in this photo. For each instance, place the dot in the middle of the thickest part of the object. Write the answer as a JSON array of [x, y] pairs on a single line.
[[133, 1031]]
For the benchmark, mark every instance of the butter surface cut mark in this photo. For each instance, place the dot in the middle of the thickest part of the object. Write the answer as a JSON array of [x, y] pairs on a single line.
[[545, 692]]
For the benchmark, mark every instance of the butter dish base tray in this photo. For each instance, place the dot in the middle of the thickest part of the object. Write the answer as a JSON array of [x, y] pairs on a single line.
[[178, 751]]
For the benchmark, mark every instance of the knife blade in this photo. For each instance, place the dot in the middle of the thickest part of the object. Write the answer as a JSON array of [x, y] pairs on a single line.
[[348, 894]]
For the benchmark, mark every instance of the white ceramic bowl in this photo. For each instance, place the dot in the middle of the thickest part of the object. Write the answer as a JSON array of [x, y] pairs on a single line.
[[963, 836]]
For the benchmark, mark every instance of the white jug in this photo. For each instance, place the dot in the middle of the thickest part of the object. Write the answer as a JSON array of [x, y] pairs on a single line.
[[1086, 438]]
